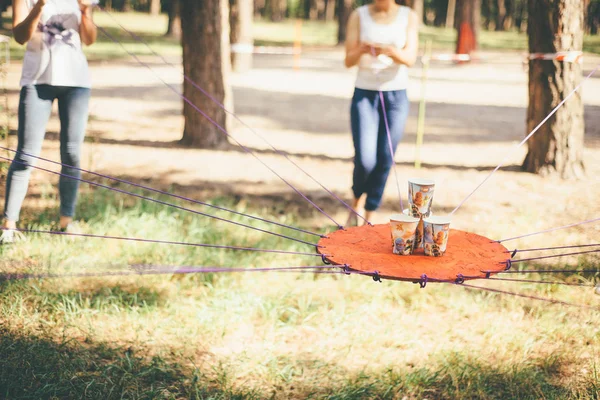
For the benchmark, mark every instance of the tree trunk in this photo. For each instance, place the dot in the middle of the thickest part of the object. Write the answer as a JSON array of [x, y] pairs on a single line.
[[242, 45], [468, 25], [450, 14], [500, 15], [126, 6], [174, 25], [344, 10], [206, 61], [154, 7], [557, 146], [329, 10]]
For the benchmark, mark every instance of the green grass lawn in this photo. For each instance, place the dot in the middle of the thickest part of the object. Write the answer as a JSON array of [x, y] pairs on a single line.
[[265, 335], [312, 33]]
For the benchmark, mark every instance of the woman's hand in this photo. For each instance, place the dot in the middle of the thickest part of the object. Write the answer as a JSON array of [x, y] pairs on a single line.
[[87, 29], [86, 7]]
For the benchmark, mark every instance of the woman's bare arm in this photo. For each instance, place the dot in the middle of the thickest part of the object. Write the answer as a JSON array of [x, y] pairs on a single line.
[[408, 54], [354, 48], [25, 24], [87, 29]]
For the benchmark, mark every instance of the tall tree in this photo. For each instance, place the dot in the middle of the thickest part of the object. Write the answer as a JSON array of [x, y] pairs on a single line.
[[450, 14], [174, 25], [344, 10], [419, 8], [240, 19], [467, 24], [558, 145], [154, 7], [206, 61]]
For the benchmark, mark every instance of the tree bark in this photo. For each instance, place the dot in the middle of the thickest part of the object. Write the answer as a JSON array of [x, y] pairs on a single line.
[[450, 14], [174, 25], [240, 20], [468, 21], [329, 10], [154, 7], [344, 10], [206, 61], [500, 15], [557, 147]]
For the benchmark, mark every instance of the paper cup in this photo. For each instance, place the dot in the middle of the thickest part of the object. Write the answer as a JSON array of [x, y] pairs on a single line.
[[404, 228], [419, 233], [420, 196], [435, 235]]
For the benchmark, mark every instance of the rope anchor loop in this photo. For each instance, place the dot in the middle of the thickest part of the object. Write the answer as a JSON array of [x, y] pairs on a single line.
[[460, 279], [423, 281], [376, 277]]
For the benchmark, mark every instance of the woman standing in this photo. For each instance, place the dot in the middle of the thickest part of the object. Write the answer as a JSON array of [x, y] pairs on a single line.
[[54, 68], [382, 40]]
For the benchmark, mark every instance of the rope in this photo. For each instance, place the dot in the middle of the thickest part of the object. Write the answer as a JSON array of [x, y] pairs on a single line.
[[222, 106], [527, 137], [542, 282], [551, 230], [155, 241], [557, 255], [219, 127], [547, 271], [161, 202], [143, 269], [553, 301], [389, 139], [166, 193], [515, 251]]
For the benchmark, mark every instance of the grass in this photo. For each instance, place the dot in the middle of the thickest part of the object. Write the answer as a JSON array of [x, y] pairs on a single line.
[[313, 33], [261, 335]]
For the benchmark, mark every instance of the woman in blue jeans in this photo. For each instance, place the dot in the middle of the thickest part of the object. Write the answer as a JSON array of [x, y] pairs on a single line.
[[382, 40], [54, 68]]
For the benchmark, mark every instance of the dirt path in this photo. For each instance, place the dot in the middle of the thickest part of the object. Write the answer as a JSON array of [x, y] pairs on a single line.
[[475, 115]]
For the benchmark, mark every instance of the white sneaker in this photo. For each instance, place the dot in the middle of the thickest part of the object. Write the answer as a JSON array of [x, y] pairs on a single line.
[[10, 236]]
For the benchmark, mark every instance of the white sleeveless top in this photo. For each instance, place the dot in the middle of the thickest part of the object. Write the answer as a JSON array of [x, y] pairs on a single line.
[[54, 55], [381, 73]]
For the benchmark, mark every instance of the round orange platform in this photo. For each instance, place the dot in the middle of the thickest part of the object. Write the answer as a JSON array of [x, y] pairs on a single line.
[[369, 248]]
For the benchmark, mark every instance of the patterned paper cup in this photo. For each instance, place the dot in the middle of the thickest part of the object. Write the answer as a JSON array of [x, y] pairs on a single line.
[[435, 235], [404, 228], [419, 233], [420, 196]]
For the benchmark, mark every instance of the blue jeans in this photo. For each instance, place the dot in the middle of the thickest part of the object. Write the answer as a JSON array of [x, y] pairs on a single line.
[[35, 105], [372, 158]]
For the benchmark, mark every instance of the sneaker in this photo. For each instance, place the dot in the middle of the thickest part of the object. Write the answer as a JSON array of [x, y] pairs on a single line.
[[10, 236]]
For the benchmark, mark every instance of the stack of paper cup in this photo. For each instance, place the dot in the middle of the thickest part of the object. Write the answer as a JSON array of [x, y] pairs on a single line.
[[420, 200]]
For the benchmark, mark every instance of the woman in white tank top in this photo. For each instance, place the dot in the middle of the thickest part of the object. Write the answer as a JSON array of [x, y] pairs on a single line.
[[382, 41], [54, 68]]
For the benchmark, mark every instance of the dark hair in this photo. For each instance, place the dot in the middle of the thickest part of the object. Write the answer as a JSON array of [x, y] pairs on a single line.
[[404, 2]]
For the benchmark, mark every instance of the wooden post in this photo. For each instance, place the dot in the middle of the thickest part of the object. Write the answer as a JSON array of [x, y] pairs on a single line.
[[421, 119]]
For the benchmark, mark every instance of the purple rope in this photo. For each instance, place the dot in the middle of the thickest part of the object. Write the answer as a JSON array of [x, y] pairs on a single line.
[[553, 301], [551, 230], [162, 202], [527, 137], [215, 246], [389, 139], [543, 282], [166, 193], [547, 271], [555, 248], [160, 270], [556, 255], [189, 102], [222, 106]]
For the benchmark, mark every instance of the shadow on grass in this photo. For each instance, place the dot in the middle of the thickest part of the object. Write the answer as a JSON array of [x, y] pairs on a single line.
[[38, 368], [35, 367]]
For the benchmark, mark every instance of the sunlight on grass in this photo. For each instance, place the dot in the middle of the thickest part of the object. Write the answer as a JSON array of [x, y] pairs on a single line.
[[257, 335]]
